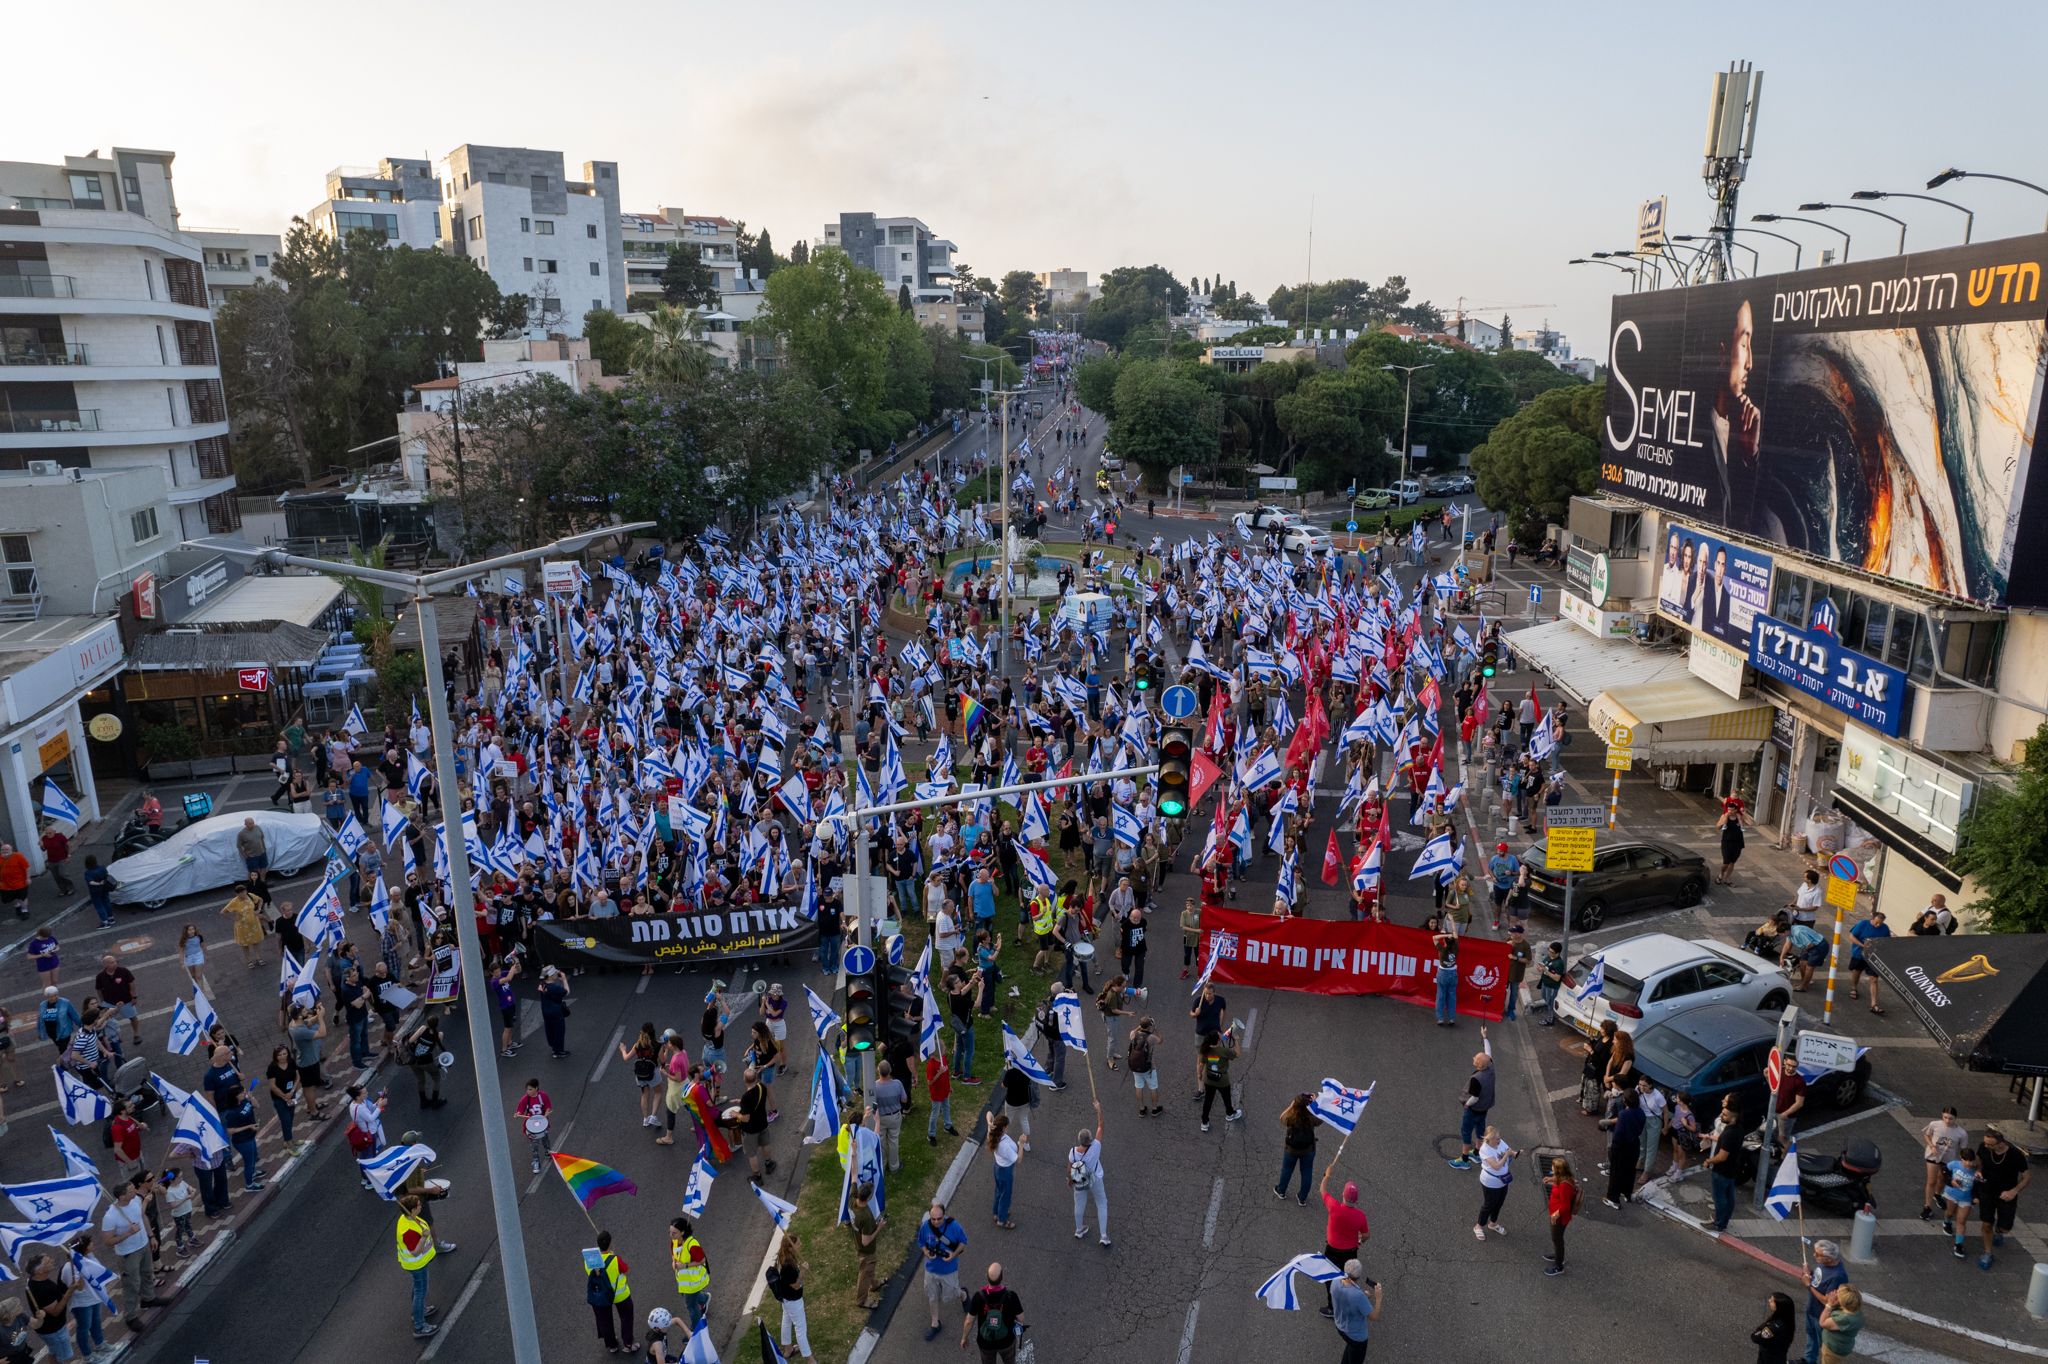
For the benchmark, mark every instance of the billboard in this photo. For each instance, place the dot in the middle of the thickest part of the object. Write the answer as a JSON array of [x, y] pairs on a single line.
[[1813, 661], [1711, 586], [1881, 415]]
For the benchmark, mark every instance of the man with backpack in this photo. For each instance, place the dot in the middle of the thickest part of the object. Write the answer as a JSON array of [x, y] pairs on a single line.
[[992, 1320], [1144, 1073], [1084, 1176], [941, 1242]]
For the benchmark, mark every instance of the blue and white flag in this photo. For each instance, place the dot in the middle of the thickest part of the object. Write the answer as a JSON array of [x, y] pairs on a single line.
[[76, 1161], [94, 1278], [186, 1029], [1596, 980], [1783, 1198], [1339, 1105], [1015, 1053], [1262, 771], [388, 1170], [198, 1122], [1278, 1292], [56, 1234], [55, 1200], [81, 1103], [58, 806], [1288, 887], [777, 1208], [700, 1350], [355, 724], [824, 1112], [1066, 1013], [1125, 826], [1034, 827], [392, 821], [1436, 856], [352, 837], [1036, 869], [697, 1194], [796, 797], [823, 1019]]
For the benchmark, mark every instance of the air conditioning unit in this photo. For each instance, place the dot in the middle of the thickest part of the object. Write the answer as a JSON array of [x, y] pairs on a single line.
[[45, 466]]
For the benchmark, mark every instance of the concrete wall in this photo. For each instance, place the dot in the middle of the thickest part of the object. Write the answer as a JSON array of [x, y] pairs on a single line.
[[2022, 677]]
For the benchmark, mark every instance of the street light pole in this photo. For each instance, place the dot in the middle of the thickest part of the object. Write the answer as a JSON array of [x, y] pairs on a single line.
[[1810, 222], [1407, 395], [1953, 174], [482, 1047], [1858, 208], [1969, 216]]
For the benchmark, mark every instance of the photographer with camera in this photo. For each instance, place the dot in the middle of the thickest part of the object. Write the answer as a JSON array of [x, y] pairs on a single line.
[[1356, 1301]]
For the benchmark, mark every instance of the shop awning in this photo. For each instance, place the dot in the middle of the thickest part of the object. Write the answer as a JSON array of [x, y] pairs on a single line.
[[223, 648], [1683, 720], [454, 619], [1982, 995], [297, 600], [1582, 665]]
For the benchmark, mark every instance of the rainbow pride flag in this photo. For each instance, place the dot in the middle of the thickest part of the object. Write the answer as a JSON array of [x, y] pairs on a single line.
[[972, 713], [590, 1181]]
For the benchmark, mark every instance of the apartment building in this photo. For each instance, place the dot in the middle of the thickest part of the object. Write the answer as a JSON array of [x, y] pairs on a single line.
[[964, 318], [235, 260], [1064, 287], [900, 250], [515, 212], [399, 199], [107, 351], [645, 240]]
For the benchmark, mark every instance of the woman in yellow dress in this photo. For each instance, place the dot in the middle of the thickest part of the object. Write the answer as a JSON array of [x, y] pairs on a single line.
[[248, 926]]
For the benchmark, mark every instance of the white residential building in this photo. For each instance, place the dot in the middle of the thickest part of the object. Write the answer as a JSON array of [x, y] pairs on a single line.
[[399, 199], [107, 352], [235, 260], [646, 239], [1064, 287], [514, 211], [901, 250]]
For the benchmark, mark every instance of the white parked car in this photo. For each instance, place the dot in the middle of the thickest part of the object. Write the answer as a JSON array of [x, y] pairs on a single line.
[[1305, 540], [1653, 976], [1113, 463], [1267, 517], [202, 856]]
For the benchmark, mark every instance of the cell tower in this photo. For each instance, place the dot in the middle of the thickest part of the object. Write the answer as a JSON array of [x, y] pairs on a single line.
[[1731, 138]]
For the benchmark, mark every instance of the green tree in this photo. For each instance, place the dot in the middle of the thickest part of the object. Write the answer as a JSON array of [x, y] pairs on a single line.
[[671, 351], [800, 254], [1164, 416], [1507, 334], [1095, 384], [1021, 293], [2004, 846], [835, 319], [907, 378], [1527, 373], [260, 367], [1334, 419], [529, 469], [903, 297], [1535, 461], [613, 340], [686, 281], [1130, 296], [654, 444], [769, 433]]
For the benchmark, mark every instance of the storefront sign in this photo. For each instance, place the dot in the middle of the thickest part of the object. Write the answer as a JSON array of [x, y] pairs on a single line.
[[640, 939], [179, 597], [1237, 352], [144, 588], [1594, 621], [203, 584], [1330, 957], [1578, 571], [59, 676], [53, 744], [253, 679], [1716, 665], [1868, 691], [1924, 797]]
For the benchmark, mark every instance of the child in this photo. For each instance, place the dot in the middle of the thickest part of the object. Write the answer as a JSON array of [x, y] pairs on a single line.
[[533, 1108], [177, 1201], [1962, 1185]]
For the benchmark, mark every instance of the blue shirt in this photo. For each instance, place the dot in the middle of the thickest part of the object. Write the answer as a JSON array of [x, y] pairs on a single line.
[[981, 897], [1504, 869], [1353, 1309], [1824, 1280], [935, 1246], [1865, 932]]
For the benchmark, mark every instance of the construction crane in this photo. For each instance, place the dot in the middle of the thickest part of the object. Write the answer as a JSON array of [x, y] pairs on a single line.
[[1457, 323]]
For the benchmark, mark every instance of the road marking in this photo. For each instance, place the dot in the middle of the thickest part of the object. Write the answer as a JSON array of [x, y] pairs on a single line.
[[469, 1289], [1844, 1122], [529, 1018], [1215, 1206], [37, 993], [618, 1035], [1560, 1095], [560, 1139], [1187, 1332], [1251, 1020], [641, 988]]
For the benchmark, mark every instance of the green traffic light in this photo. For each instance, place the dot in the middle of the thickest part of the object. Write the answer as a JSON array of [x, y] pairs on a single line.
[[1172, 808], [1486, 670], [861, 1044]]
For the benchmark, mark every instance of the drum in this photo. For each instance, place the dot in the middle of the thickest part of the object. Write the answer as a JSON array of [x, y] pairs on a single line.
[[435, 1188], [1084, 951], [536, 1125]]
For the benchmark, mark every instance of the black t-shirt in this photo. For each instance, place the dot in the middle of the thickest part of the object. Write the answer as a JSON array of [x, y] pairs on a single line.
[[754, 1109], [43, 1294], [1997, 1174], [1209, 1017], [1016, 1088], [1001, 1307], [1131, 939], [284, 1075]]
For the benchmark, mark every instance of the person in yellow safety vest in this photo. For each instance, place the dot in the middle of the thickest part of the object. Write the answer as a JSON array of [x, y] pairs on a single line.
[[1044, 917], [415, 1253], [607, 1291], [693, 1271]]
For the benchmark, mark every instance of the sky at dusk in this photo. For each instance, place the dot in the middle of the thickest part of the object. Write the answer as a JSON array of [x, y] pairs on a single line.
[[1472, 147]]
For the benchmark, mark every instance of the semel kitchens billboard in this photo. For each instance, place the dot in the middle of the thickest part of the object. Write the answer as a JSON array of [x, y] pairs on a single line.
[[1881, 415]]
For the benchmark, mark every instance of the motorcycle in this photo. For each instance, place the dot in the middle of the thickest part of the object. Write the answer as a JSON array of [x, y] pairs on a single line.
[[136, 836], [1839, 1184]]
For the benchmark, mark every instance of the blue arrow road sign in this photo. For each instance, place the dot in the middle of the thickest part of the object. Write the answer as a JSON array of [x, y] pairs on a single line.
[[859, 960], [1178, 702], [1535, 593]]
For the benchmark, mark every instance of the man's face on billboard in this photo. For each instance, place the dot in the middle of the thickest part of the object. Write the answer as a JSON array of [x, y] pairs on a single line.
[[1740, 343], [1720, 564]]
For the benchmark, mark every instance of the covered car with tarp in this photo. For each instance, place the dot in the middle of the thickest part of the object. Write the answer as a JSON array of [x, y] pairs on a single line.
[[1984, 996]]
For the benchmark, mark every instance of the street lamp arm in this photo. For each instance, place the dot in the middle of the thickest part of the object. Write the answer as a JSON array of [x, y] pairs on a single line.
[[1875, 213], [1969, 215]]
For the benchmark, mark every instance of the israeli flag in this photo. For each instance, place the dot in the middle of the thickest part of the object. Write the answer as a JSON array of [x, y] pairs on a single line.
[[388, 1170], [48, 1200], [58, 806], [185, 1029], [1368, 874], [1036, 869], [1783, 1199], [1288, 804], [351, 836], [1596, 979], [1278, 1292], [94, 1277], [1066, 1012], [199, 1124], [697, 1194], [55, 1234], [1125, 825], [777, 1208], [380, 905], [824, 1112], [81, 1103], [1288, 887], [306, 984], [76, 1161], [1017, 1054], [1542, 742], [1262, 771], [1034, 826], [1339, 1105], [700, 1350], [1436, 857], [823, 1019], [355, 724], [392, 820]]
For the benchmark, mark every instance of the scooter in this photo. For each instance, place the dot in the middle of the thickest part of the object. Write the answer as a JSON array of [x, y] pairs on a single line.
[[1839, 1184], [136, 835]]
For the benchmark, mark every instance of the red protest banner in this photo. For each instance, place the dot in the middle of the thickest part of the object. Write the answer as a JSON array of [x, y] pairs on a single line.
[[1345, 957]]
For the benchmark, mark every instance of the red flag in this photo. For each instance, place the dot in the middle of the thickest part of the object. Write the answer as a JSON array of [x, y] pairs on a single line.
[[1480, 705], [1436, 754], [1302, 746], [1205, 774], [1534, 701], [1213, 740], [1333, 861]]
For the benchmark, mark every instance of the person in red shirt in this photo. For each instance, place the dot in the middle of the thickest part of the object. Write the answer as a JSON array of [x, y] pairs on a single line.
[[56, 852], [126, 1133], [1564, 1203], [1345, 1229], [938, 1083]]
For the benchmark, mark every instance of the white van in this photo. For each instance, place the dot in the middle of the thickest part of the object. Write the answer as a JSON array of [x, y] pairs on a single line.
[[1408, 490]]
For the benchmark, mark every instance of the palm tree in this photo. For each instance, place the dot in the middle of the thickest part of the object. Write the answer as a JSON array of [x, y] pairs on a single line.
[[673, 351]]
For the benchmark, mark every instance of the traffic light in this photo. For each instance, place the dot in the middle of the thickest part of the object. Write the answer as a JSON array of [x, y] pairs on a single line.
[[1176, 754], [858, 1011], [1489, 657], [905, 1010], [1144, 673]]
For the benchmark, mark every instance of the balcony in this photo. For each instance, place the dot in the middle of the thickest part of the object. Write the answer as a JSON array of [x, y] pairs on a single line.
[[38, 286], [49, 423], [223, 514], [45, 353], [211, 456]]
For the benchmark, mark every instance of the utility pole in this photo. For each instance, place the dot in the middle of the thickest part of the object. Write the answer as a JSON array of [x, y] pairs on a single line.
[[1003, 638], [1407, 398]]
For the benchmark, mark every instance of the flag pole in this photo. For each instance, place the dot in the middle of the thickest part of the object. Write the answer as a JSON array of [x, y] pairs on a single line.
[[1080, 1016]]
